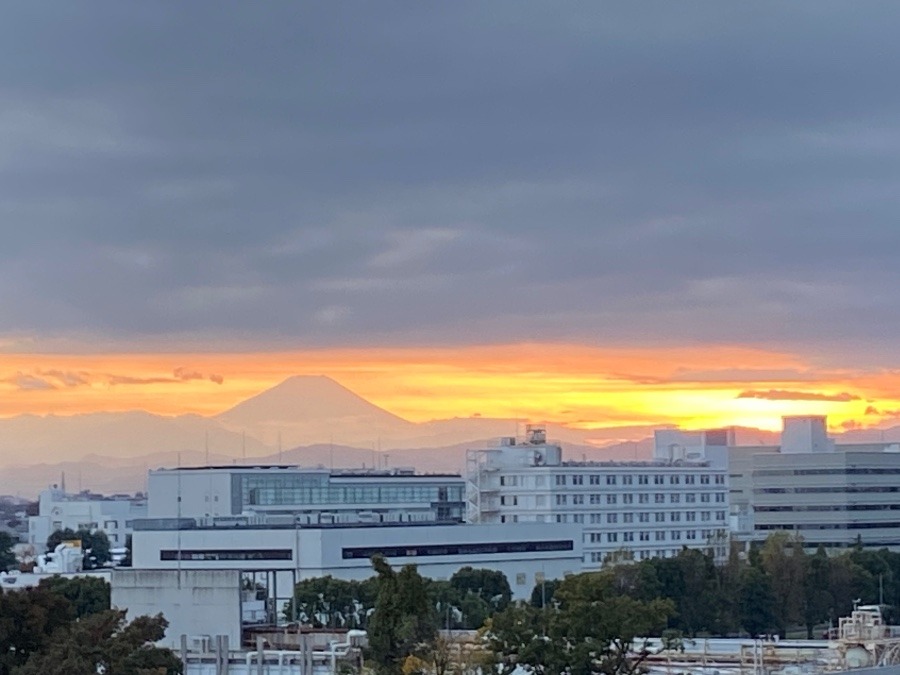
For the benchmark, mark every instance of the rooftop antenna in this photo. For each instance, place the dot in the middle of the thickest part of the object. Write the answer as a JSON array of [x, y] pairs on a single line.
[[331, 452], [244, 447], [279, 447], [206, 446], [62, 482]]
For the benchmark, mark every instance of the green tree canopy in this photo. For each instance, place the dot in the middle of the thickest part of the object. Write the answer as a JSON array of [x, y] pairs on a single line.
[[88, 595], [591, 629], [94, 544], [333, 603], [404, 622], [7, 556], [756, 602], [492, 586], [28, 618], [104, 642]]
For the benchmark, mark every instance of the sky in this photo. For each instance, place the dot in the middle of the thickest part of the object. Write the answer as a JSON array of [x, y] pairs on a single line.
[[611, 212]]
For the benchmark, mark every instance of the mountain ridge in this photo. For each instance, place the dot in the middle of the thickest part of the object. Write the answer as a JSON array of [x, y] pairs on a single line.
[[299, 412]]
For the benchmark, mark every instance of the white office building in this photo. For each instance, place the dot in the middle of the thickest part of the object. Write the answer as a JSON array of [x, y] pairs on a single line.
[[831, 494], [58, 510], [526, 554], [296, 523], [633, 509], [310, 496]]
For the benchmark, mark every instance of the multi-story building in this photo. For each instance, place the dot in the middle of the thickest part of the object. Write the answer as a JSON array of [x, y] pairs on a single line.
[[637, 509], [836, 495], [58, 510], [311, 496], [526, 554], [279, 524]]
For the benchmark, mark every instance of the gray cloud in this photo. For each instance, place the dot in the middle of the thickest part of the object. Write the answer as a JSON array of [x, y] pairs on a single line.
[[303, 175]]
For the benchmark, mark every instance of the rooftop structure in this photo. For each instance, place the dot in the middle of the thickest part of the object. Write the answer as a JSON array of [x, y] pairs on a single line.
[[316, 495]]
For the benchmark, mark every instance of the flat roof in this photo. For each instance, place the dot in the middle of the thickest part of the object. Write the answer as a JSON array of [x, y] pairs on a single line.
[[335, 473]]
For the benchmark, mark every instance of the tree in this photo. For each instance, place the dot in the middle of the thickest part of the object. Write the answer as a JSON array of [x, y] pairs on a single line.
[[88, 595], [517, 637], [847, 582], [7, 556], [404, 622], [94, 544], [126, 560], [455, 608], [591, 629], [28, 618], [59, 536], [491, 586], [597, 627], [329, 602], [104, 642], [700, 595], [542, 593], [97, 552], [785, 562], [818, 599], [756, 602]]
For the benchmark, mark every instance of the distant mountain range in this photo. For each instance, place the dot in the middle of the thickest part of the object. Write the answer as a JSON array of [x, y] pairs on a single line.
[[304, 420]]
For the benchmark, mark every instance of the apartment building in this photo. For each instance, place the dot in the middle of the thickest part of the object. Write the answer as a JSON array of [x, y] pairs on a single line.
[[638, 509]]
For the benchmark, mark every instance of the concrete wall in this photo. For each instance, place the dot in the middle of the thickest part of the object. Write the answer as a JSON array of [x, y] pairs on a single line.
[[195, 602], [203, 493]]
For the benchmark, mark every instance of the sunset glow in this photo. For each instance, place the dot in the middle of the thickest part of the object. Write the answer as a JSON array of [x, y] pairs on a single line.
[[576, 385]]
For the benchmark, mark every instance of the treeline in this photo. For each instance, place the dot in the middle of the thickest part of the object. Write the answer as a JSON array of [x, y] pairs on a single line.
[[66, 627], [590, 627], [589, 622], [465, 601], [778, 587]]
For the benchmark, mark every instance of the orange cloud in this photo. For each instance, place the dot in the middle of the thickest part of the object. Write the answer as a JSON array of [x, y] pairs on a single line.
[[580, 385]]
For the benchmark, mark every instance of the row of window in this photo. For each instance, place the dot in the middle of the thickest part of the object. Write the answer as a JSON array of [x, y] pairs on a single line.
[[628, 498], [658, 517], [282, 495], [658, 535], [828, 526], [412, 551], [644, 554], [830, 507], [837, 489], [227, 554], [844, 471], [640, 479], [642, 517]]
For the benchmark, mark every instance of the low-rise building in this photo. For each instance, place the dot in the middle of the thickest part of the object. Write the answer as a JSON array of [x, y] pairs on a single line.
[[59, 510], [526, 553]]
